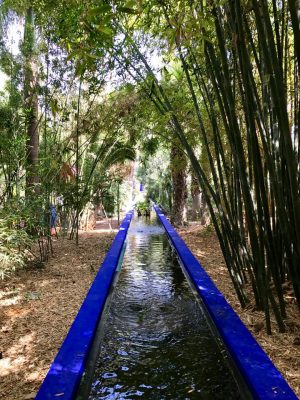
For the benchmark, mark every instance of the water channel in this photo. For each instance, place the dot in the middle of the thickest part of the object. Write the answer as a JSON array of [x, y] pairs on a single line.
[[156, 341]]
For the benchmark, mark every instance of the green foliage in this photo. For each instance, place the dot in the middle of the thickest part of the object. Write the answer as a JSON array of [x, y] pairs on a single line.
[[155, 174], [109, 204], [13, 242], [220, 77], [18, 229], [143, 207]]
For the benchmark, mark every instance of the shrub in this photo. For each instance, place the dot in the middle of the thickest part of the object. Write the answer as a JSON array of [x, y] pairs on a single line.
[[18, 231], [13, 243]]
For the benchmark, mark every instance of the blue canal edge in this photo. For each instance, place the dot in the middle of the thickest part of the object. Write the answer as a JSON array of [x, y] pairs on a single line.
[[65, 373], [259, 373]]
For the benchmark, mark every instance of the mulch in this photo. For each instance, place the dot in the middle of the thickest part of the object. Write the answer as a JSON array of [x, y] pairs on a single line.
[[37, 307], [282, 348]]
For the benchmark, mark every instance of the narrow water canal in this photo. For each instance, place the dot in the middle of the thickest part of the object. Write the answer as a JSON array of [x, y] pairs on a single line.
[[157, 343]]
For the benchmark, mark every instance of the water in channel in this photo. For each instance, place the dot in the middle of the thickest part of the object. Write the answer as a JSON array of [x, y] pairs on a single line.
[[157, 344]]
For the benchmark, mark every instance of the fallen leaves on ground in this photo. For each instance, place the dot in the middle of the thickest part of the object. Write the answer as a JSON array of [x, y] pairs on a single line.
[[282, 348], [37, 307]]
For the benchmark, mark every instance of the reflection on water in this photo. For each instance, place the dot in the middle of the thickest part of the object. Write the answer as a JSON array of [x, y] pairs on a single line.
[[157, 344]]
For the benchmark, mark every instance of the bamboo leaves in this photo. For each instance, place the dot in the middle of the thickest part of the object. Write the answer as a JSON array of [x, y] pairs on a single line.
[[240, 87]]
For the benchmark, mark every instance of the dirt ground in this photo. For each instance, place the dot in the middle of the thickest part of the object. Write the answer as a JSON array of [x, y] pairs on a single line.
[[37, 307], [282, 348]]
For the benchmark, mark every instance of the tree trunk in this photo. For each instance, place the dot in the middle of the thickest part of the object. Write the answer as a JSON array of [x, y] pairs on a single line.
[[204, 212], [196, 200], [31, 102], [294, 6], [178, 170]]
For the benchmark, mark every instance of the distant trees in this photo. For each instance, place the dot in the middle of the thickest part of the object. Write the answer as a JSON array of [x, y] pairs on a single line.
[[240, 62], [178, 166], [55, 143], [222, 97]]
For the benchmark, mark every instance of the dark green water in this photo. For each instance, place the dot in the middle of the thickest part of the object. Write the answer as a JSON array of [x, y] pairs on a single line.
[[157, 343]]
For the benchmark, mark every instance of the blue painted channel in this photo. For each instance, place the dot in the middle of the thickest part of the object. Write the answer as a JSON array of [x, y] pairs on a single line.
[[65, 373], [259, 373]]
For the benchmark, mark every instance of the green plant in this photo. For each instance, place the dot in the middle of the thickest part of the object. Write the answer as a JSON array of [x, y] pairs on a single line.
[[143, 207], [21, 224], [13, 244]]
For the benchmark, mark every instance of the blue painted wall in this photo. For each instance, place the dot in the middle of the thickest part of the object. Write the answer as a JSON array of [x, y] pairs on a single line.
[[261, 376], [66, 371]]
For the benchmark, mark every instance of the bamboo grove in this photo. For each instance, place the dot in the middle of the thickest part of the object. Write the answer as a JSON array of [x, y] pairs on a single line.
[[225, 94], [241, 67]]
